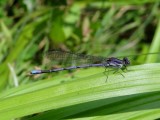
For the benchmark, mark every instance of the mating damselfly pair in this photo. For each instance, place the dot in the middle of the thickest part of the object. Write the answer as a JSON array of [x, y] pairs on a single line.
[[75, 61]]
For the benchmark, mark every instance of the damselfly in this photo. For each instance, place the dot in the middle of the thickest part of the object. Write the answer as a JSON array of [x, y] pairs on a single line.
[[75, 61]]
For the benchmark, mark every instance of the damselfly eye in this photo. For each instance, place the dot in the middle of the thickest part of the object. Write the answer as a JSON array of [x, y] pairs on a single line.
[[126, 61]]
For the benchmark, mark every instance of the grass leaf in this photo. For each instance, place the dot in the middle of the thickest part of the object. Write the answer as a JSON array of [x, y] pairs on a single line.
[[87, 96]]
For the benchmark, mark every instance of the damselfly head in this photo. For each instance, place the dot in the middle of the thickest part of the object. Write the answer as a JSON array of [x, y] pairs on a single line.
[[126, 61]]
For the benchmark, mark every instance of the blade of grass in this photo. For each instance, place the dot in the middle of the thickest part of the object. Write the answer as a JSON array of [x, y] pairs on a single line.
[[142, 79], [155, 46]]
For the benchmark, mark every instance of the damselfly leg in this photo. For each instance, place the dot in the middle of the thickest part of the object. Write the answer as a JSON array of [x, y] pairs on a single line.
[[106, 71]]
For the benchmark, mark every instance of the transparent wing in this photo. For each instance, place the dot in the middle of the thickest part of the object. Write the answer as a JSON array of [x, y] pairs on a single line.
[[65, 58]]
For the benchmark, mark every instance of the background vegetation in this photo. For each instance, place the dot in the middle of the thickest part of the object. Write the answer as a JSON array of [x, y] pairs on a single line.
[[28, 28]]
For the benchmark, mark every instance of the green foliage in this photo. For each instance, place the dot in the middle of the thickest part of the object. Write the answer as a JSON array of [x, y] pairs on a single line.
[[29, 28]]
